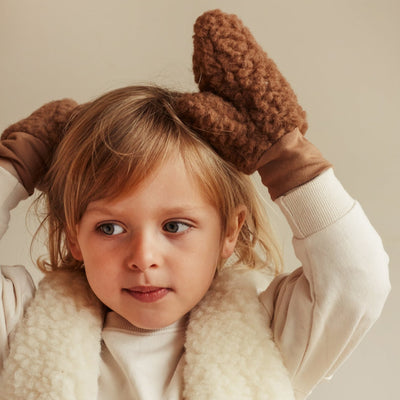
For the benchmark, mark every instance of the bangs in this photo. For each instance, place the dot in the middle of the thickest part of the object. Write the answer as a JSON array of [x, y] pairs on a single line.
[[112, 145], [122, 159]]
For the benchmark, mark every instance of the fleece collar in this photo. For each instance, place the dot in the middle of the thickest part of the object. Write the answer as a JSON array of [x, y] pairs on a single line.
[[229, 351], [55, 352]]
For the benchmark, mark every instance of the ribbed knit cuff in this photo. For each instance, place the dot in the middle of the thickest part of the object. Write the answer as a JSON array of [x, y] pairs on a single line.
[[315, 205]]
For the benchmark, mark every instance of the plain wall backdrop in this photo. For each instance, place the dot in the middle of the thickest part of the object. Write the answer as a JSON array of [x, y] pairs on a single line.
[[342, 58]]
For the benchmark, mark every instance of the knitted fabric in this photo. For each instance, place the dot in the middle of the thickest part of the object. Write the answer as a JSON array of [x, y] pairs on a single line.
[[245, 105], [30, 143]]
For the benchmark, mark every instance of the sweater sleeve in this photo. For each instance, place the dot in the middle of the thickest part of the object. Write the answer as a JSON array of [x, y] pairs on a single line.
[[16, 285], [321, 311]]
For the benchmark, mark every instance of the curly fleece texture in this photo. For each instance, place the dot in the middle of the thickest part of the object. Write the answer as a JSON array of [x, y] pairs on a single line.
[[55, 351], [245, 105], [30, 143], [229, 351]]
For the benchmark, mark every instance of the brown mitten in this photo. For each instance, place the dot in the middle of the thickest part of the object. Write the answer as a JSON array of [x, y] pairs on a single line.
[[245, 105], [30, 143]]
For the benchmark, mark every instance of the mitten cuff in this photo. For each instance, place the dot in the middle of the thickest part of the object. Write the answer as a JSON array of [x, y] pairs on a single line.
[[289, 163], [28, 155], [30, 143]]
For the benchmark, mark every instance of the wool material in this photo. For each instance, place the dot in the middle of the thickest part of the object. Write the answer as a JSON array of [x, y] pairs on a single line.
[[55, 351], [30, 144], [245, 105], [229, 346], [229, 351]]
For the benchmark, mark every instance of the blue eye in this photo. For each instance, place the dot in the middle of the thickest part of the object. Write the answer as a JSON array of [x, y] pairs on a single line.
[[175, 227], [110, 229]]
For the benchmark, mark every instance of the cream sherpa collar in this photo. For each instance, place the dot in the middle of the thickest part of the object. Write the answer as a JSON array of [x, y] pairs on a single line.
[[55, 352], [230, 354]]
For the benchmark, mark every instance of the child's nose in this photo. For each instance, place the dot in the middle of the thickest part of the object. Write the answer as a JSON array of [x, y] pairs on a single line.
[[142, 252]]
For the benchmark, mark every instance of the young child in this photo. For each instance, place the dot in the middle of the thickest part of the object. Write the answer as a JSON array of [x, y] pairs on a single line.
[[147, 197]]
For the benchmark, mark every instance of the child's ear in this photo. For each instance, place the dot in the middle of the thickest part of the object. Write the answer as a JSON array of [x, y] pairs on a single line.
[[74, 248], [232, 233]]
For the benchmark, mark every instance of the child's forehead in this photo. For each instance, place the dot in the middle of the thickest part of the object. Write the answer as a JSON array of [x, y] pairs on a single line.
[[171, 181]]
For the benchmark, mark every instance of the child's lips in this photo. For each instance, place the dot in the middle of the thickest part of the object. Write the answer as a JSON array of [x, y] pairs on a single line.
[[147, 294]]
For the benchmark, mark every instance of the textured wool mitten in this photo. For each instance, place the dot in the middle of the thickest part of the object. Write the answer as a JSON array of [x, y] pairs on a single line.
[[245, 105], [30, 143]]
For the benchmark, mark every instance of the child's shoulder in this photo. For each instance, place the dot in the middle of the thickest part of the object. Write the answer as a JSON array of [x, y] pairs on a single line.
[[16, 291], [17, 288]]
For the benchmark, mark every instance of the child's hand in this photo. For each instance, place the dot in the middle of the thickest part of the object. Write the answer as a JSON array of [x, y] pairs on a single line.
[[245, 105], [30, 143]]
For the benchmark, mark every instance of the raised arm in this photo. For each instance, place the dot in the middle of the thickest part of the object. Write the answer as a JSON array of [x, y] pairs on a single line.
[[248, 112], [321, 311], [16, 286], [25, 154]]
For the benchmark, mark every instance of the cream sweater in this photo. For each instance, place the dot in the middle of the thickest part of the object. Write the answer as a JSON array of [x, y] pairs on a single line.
[[317, 314]]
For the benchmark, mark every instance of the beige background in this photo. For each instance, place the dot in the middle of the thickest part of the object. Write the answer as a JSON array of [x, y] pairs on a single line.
[[342, 58]]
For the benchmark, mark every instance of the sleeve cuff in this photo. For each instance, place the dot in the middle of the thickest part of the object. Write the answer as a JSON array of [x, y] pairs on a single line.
[[11, 190], [315, 205]]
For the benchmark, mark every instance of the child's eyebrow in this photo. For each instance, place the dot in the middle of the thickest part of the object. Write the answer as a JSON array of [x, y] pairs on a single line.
[[97, 209], [179, 209], [182, 209]]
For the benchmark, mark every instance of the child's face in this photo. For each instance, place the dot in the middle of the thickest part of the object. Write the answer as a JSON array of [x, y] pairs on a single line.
[[151, 255]]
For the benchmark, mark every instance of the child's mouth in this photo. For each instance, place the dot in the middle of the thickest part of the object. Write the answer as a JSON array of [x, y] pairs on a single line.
[[147, 294]]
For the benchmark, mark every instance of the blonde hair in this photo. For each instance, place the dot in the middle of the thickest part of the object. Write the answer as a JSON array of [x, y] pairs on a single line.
[[114, 143]]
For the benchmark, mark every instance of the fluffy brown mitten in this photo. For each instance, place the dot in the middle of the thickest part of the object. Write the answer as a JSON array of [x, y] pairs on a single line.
[[245, 101], [30, 143], [245, 105]]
